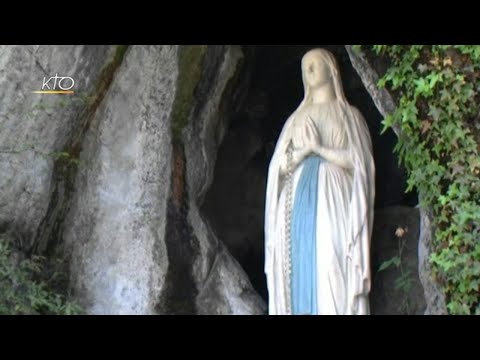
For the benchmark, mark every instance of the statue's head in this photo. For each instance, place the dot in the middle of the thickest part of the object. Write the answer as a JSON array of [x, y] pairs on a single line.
[[316, 68], [319, 68]]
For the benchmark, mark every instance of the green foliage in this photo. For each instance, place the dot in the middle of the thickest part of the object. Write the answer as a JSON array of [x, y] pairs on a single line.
[[23, 289], [437, 87]]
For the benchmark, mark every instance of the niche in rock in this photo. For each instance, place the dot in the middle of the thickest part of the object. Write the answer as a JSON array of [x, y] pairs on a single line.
[[272, 89]]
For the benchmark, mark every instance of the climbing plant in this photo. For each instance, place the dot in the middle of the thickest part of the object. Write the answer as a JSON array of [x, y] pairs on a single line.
[[437, 89], [27, 286]]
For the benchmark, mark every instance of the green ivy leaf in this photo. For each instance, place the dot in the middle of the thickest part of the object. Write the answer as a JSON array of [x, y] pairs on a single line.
[[438, 97]]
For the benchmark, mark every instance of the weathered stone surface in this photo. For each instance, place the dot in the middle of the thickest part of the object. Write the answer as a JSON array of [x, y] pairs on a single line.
[[34, 126], [115, 229], [223, 286], [227, 290], [137, 242], [434, 295]]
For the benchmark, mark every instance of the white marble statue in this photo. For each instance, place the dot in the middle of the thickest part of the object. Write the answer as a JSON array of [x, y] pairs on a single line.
[[319, 202]]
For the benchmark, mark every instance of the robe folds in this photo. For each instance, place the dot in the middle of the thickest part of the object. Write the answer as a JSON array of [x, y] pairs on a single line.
[[331, 218]]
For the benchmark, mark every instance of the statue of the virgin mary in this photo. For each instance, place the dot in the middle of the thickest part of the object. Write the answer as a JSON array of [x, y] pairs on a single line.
[[319, 202]]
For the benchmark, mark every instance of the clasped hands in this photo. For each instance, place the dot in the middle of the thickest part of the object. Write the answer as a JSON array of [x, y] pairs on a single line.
[[309, 141]]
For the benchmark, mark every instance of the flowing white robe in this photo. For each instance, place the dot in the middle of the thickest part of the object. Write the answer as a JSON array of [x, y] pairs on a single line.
[[344, 215]]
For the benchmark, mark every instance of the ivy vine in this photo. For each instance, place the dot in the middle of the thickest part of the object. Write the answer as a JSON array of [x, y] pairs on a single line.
[[437, 88]]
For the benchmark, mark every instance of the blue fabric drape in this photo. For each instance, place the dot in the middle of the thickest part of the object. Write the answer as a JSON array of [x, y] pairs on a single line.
[[303, 240]]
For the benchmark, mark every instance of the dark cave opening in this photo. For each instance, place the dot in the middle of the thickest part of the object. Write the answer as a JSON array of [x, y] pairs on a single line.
[[272, 80]]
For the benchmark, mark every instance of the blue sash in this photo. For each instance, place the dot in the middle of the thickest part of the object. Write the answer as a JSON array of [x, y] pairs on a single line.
[[303, 240]]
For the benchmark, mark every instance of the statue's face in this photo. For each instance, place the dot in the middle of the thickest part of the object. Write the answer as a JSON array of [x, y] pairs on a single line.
[[317, 72]]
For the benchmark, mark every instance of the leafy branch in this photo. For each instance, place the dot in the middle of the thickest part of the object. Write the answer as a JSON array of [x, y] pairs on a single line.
[[438, 111]]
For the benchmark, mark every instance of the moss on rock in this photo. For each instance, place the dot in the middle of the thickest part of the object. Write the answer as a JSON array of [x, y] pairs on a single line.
[[190, 59]]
